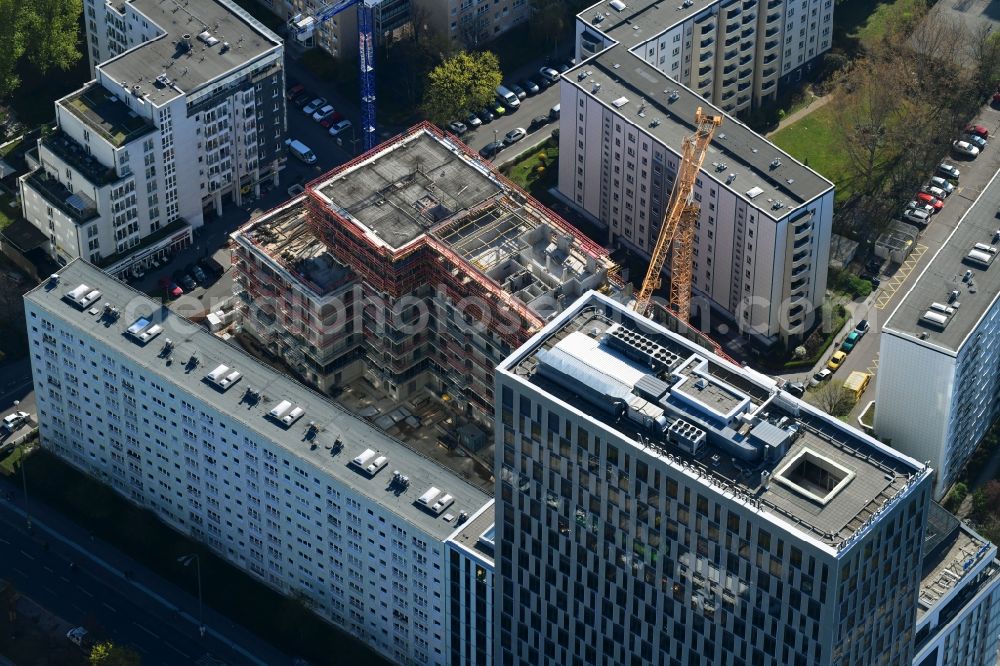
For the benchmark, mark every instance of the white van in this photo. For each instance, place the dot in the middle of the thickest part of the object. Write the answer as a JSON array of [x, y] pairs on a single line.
[[301, 151], [554, 113], [508, 98]]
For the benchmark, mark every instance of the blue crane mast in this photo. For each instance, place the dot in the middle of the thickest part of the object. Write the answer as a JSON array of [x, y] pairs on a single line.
[[366, 55]]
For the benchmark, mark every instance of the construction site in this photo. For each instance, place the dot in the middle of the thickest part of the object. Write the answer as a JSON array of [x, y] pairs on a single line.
[[398, 281]]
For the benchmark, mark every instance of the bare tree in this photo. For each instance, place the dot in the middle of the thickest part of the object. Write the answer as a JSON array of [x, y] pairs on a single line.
[[834, 399]]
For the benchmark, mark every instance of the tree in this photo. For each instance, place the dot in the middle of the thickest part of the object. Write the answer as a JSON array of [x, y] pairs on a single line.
[[54, 33], [109, 654], [463, 82], [44, 31], [548, 18], [834, 399], [12, 36]]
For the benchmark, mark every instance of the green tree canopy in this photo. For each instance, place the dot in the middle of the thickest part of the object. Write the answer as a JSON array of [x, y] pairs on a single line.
[[109, 654], [461, 83], [44, 31]]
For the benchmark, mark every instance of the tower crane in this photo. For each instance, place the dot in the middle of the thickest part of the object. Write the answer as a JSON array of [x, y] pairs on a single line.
[[304, 29], [677, 229]]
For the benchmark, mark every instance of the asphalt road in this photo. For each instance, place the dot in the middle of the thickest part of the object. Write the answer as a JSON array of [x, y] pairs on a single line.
[[537, 105], [142, 611], [880, 305]]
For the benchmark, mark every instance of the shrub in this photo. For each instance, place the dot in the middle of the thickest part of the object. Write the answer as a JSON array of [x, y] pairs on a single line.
[[955, 496]]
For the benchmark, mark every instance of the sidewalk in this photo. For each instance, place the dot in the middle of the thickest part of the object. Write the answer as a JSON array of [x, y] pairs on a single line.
[[816, 103]]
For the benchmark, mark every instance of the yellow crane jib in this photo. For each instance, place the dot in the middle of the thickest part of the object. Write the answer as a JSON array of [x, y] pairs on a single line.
[[677, 230]]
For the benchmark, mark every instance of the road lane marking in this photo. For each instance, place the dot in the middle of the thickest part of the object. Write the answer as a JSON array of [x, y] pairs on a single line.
[[146, 630], [26, 555], [64, 579], [85, 592], [178, 650], [49, 590], [109, 607], [48, 569], [5, 541], [889, 288], [19, 571]]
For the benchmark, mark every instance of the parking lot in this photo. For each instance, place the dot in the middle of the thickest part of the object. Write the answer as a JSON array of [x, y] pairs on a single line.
[[897, 279]]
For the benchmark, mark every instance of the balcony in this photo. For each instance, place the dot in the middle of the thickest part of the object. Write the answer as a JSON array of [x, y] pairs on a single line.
[[77, 207], [749, 4], [728, 82], [798, 284], [803, 230], [750, 18], [73, 154], [729, 55], [707, 42], [732, 40], [802, 242], [178, 228], [800, 260], [769, 59], [771, 32], [773, 4], [772, 18]]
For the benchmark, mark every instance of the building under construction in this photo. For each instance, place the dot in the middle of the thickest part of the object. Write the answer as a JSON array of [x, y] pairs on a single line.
[[415, 266]]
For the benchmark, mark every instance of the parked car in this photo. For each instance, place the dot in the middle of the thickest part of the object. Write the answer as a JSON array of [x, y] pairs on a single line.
[[458, 127], [199, 274], [302, 98], [949, 171], [473, 121], [548, 75], [79, 636], [514, 136], [333, 118], [836, 360], [341, 126], [977, 141], [538, 122], [935, 191], [965, 148], [314, 106], [917, 216], [185, 280], [12, 422], [517, 90], [978, 130], [486, 115], [797, 389], [820, 377], [492, 149], [862, 326], [930, 199], [916, 205], [294, 91], [323, 112], [170, 287], [942, 183], [529, 86], [498, 108], [563, 68], [212, 267], [850, 341]]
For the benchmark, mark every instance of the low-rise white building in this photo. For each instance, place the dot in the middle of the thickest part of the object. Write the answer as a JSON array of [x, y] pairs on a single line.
[[186, 112], [301, 494]]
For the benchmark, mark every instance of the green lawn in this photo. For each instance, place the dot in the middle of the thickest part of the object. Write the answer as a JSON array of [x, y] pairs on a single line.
[[10, 460], [138, 533], [816, 141], [538, 170], [8, 213], [860, 23]]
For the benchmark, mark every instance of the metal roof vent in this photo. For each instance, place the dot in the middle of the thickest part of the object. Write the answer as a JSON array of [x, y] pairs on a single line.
[[223, 377]]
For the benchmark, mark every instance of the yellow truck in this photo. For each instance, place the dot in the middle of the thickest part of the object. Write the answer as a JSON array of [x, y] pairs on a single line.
[[856, 383]]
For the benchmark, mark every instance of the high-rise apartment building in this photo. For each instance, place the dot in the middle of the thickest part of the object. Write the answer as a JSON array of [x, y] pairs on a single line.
[[186, 112], [939, 379], [302, 495], [658, 505], [416, 266], [734, 54], [470, 589], [762, 241]]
